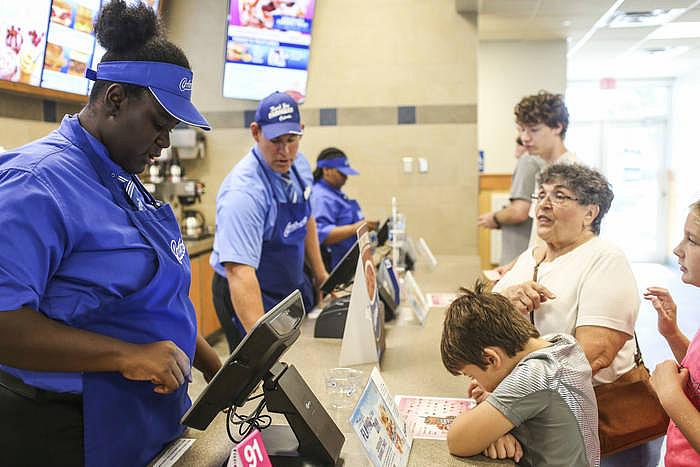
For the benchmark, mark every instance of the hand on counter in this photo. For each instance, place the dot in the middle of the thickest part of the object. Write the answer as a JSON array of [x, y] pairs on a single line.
[[162, 363], [505, 447]]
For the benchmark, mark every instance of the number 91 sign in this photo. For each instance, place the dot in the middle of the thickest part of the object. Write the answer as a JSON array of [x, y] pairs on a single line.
[[250, 452]]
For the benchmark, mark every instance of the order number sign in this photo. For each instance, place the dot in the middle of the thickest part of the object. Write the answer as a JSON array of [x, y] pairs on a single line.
[[251, 451]]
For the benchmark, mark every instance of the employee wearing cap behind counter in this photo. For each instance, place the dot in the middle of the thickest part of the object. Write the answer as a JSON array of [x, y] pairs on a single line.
[[264, 226], [337, 216], [97, 333]]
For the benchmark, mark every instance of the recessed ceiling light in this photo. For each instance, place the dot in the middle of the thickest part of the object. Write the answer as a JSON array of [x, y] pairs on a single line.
[[635, 19], [677, 30], [566, 23], [665, 52]]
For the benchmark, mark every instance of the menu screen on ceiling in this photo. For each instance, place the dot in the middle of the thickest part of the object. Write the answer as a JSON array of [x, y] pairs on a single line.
[[51, 43], [267, 48]]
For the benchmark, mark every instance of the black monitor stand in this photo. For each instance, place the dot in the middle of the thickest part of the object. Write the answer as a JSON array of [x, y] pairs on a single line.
[[312, 438]]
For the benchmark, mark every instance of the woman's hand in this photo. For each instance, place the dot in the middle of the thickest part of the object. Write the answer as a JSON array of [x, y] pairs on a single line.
[[162, 363], [319, 279], [665, 307], [476, 391], [206, 359], [668, 380], [505, 447], [528, 296]]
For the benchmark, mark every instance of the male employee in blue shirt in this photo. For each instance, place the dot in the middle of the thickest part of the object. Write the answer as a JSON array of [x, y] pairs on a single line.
[[264, 226]]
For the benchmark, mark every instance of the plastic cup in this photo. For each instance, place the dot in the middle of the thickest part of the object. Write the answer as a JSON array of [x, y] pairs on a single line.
[[343, 386]]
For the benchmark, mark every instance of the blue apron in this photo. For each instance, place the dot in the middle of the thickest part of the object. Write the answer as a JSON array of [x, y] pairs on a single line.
[[125, 422], [281, 268]]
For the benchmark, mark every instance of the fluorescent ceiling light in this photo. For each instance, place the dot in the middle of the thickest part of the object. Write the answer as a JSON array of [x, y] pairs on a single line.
[[602, 21], [677, 30], [635, 19]]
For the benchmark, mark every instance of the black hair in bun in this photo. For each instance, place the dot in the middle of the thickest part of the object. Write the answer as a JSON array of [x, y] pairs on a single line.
[[133, 33], [121, 28]]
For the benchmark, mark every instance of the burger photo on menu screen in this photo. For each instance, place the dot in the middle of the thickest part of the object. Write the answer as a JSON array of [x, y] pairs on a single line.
[[83, 19], [61, 12], [54, 59]]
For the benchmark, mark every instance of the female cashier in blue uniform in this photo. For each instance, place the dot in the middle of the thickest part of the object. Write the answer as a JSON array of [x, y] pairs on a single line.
[[97, 333], [337, 216]]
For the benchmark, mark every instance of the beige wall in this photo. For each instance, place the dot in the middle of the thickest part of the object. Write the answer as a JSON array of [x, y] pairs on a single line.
[[16, 132], [508, 71], [365, 53]]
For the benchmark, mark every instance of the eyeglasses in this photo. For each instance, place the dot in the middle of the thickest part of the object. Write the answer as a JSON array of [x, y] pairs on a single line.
[[557, 198]]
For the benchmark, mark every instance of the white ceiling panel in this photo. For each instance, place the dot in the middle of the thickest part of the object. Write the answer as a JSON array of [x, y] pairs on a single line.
[[572, 19]]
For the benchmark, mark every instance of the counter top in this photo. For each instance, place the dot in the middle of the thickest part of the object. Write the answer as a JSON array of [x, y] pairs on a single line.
[[411, 365], [198, 247]]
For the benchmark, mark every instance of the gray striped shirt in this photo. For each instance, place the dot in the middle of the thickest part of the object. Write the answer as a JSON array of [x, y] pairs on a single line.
[[549, 398]]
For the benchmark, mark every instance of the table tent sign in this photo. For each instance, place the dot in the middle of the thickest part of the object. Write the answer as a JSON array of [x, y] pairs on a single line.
[[363, 325], [378, 424]]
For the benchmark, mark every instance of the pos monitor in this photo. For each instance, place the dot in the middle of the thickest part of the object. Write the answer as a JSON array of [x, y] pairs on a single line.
[[312, 437], [343, 273]]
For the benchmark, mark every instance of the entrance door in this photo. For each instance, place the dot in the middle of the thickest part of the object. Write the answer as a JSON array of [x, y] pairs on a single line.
[[633, 162], [631, 155]]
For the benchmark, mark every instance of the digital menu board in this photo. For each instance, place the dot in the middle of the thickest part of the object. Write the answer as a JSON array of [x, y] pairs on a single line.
[[267, 48], [23, 34], [70, 45], [50, 43]]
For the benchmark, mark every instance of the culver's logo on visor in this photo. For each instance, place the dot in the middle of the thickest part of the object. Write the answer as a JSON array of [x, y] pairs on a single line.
[[185, 84], [281, 111]]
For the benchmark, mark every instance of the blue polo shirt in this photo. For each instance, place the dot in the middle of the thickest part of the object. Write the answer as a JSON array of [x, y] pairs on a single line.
[[332, 208], [246, 209], [66, 248]]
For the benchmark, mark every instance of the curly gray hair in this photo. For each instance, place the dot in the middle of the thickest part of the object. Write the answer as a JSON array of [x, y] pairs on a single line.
[[589, 186]]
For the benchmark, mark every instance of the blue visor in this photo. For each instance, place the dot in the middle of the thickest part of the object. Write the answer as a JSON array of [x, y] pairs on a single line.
[[171, 85], [340, 163]]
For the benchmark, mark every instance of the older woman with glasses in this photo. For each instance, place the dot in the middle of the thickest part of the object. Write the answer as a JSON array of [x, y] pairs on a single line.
[[578, 283]]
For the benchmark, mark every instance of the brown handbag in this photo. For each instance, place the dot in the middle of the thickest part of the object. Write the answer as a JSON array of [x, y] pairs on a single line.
[[629, 413]]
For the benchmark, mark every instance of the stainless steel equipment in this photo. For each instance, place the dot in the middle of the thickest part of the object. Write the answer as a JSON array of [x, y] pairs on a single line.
[[193, 224]]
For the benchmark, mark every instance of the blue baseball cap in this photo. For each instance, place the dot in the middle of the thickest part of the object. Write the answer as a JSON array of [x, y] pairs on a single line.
[[278, 114], [170, 85], [340, 163]]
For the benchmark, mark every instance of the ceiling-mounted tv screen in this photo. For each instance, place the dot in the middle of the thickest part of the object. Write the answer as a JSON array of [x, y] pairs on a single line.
[[50, 43], [267, 48]]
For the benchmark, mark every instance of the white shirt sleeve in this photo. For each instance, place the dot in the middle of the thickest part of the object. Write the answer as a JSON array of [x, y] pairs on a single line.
[[608, 295]]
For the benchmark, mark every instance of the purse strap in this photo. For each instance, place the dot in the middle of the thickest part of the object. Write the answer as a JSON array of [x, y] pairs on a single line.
[[638, 360]]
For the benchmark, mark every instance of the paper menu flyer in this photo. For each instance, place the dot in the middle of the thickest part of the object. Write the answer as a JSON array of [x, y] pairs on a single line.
[[440, 300], [431, 417], [378, 425]]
